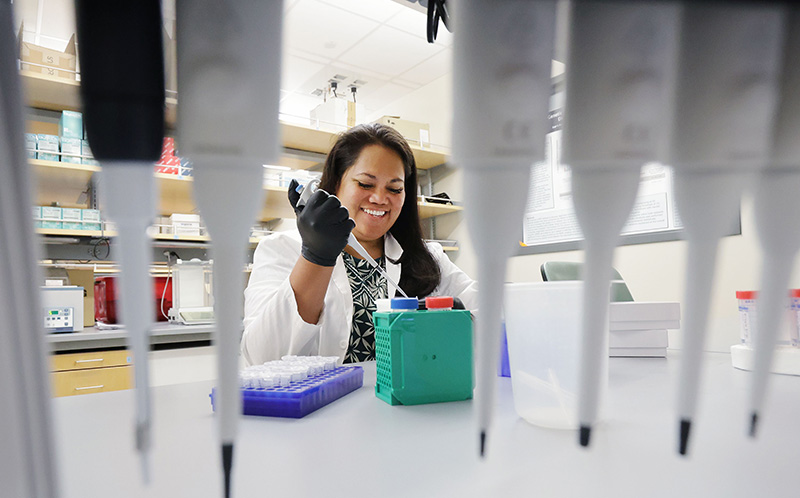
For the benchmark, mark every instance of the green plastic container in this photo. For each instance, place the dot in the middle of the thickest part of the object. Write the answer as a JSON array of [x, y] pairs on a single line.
[[423, 356]]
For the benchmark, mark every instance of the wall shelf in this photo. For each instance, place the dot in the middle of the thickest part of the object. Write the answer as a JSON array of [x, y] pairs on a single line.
[[57, 94]]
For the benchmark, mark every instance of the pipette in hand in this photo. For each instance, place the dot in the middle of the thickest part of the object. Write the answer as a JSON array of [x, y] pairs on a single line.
[[305, 192]]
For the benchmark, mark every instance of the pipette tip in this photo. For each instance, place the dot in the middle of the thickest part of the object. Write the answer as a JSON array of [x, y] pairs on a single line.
[[686, 426], [753, 424], [227, 463], [585, 434], [483, 443]]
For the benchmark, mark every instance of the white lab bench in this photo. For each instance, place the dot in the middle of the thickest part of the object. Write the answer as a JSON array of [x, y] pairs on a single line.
[[94, 338], [360, 446]]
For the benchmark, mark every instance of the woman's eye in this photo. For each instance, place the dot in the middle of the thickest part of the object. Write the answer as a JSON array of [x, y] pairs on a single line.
[[396, 190], [364, 185]]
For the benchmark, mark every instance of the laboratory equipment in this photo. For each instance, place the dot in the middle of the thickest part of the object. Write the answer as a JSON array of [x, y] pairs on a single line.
[[62, 308], [107, 293], [621, 62], [123, 101], [229, 60], [502, 53], [423, 356], [543, 329], [192, 292], [777, 203], [27, 454], [305, 193], [724, 108], [293, 389]]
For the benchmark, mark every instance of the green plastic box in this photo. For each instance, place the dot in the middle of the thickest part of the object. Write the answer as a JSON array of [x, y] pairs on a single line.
[[423, 356]]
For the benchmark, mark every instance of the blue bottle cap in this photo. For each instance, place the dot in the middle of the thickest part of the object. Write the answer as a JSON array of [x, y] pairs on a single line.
[[405, 303]]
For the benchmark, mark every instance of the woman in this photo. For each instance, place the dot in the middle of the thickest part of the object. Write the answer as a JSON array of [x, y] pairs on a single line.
[[309, 293]]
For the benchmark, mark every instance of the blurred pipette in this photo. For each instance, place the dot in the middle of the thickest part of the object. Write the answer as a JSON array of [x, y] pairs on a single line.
[[502, 59], [229, 61], [123, 100], [621, 64], [777, 205], [724, 111], [305, 194]]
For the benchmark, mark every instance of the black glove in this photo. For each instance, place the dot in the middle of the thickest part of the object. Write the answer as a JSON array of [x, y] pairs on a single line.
[[324, 226]]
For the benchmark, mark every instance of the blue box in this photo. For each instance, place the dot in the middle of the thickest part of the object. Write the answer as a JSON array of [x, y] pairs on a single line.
[[300, 398], [71, 146], [87, 151], [71, 214], [71, 125], [51, 224], [30, 145], [72, 225], [48, 147], [37, 215]]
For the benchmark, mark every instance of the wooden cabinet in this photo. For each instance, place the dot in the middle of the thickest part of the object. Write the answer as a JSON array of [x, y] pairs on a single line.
[[91, 372]]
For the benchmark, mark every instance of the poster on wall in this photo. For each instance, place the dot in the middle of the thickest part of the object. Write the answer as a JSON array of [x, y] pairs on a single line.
[[550, 224]]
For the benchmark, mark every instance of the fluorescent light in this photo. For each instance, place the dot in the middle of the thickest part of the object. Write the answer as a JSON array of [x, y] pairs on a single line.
[[282, 168]]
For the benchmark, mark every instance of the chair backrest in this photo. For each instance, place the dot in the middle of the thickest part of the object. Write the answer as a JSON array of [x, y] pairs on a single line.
[[567, 270]]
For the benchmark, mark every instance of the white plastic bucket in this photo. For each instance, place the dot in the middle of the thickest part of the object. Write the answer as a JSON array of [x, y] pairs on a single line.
[[543, 325]]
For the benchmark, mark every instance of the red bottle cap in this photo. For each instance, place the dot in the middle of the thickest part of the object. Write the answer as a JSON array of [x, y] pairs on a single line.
[[439, 302]]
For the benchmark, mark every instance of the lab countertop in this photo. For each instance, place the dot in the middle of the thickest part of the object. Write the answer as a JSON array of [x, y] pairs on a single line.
[[94, 338], [360, 446]]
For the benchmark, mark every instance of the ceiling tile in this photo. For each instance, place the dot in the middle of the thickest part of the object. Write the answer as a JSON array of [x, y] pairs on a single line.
[[385, 95], [411, 22], [390, 51], [296, 70], [377, 10], [318, 28], [430, 69]]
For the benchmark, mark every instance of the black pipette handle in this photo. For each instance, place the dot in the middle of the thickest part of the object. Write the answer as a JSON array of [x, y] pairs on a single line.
[[122, 77]]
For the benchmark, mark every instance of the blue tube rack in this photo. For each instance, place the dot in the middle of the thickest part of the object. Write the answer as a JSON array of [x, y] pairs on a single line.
[[298, 399]]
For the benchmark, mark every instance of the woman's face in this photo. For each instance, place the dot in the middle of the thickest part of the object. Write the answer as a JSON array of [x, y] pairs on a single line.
[[373, 191]]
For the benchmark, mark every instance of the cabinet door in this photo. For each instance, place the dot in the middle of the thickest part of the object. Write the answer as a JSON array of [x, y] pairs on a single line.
[[94, 380]]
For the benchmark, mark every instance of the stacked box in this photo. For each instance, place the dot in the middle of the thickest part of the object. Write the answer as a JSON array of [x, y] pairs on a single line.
[[37, 216], [71, 218], [71, 125], [168, 164], [71, 146], [185, 224], [90, 219], [30, 145], [47, 147], [51, 217], [86, 152]]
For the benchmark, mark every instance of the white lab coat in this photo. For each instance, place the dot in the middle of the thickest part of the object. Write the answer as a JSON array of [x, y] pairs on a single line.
[[272, 325]]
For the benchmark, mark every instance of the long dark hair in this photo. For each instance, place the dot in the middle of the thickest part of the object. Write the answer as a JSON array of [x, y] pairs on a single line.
[[420, 272]]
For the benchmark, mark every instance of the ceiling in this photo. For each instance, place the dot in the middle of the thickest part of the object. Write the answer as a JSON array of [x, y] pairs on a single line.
[[380, 42]]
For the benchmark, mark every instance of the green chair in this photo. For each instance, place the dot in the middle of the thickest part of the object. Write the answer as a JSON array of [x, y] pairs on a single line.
[[565, 270]]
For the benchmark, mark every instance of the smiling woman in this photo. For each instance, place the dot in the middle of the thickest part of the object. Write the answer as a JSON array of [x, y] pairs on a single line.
[[310, 293]]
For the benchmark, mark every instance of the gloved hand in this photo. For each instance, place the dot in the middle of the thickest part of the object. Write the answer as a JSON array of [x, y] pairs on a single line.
[[324, 226]]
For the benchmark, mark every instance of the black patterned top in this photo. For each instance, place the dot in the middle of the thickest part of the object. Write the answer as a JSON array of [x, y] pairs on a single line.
[[367, 285]]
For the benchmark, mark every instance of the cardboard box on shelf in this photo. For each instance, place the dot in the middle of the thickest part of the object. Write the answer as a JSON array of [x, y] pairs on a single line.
[[415, 133], [185, 224], [55, 63]]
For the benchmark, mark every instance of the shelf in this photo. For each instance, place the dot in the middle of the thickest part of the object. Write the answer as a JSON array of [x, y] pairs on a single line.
[[57, 94], [64, 183], [63, 232], [431, 209], [48, 92]]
